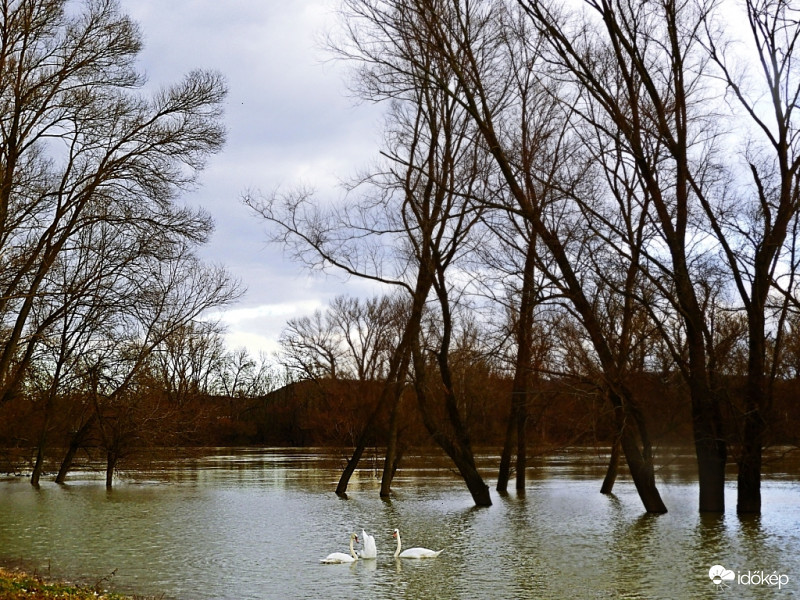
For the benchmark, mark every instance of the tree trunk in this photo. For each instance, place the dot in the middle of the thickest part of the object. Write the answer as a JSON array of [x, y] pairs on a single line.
[[38, 464], [613, 468], [749, 479], [642, 473], [66, 463], [398, 368], [639, 460], [48, 412], [748, 499], [613, 461], [397, 458], [504, 471], [520, 389], [710, 447], [456, 446], [361, 444], [111, 465], [366, 431], [522, 443], [75, 442], [516, 434], [710, 473], [390, 461]]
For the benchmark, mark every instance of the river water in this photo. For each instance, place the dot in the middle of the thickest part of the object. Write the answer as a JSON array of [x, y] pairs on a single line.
[[251, 523]]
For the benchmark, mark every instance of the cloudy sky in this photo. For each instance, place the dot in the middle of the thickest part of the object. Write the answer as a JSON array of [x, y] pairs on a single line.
[[290, 120]]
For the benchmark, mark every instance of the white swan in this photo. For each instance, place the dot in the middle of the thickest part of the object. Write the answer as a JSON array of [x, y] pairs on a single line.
[[413, 552], [341, 557], [370, 550]]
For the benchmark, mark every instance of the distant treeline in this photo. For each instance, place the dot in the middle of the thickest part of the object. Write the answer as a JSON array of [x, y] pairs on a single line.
[[562, 412], [331, 412]]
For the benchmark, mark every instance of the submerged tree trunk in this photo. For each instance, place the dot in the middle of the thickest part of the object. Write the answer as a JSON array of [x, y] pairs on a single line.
[[111, 465], [390, 461], [75, 443], [504, 471], [710, 445], [38, 464], [516, 438], [639, 459], [613, 468], [522, 446], [361, 444], [398, 368], [364, 436], [455, 443], [748, 500], [520, 389], [48, 414], [749, 478], [616, 448]]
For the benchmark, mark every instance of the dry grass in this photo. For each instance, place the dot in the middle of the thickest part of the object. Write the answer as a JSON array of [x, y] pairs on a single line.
[[16, 585]]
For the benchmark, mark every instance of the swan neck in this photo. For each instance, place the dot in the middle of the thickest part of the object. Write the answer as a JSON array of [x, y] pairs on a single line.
[[352, 552], [397, 552]]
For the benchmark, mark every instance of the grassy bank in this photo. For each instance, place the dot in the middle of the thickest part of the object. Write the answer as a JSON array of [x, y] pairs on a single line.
[[16, 585]]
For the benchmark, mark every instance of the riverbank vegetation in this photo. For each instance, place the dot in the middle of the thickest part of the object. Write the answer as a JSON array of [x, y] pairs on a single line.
[[16, 585]]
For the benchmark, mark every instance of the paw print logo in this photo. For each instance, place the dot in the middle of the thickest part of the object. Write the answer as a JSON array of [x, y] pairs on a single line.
[[719, 575]]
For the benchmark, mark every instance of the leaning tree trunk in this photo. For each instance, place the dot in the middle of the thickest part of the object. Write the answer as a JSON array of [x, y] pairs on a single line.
[[398, 368], [411, 332], [639, 458], [391, 391], [364, 436], [76, 441], [612, 469], [616, 448], [455, 444], [361, 444], [613, 463]]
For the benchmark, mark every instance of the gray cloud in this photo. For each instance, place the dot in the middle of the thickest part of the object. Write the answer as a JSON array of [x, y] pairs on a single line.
[[289, 119]]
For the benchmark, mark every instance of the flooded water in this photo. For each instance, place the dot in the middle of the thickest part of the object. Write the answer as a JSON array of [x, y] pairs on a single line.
[[255, 523]]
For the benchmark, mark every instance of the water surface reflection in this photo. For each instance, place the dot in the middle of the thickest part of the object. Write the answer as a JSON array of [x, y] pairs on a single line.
[[254, 524]]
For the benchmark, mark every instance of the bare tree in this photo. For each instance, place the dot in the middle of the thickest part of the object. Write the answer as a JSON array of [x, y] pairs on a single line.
[[311, 347], [369, 330], [241, 375], [165, 300], [351, 339], [754, 224], [647, 68], [422, 200], [188, 360], [81, 145], [640, 66], [471, 39], [508, 275]]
